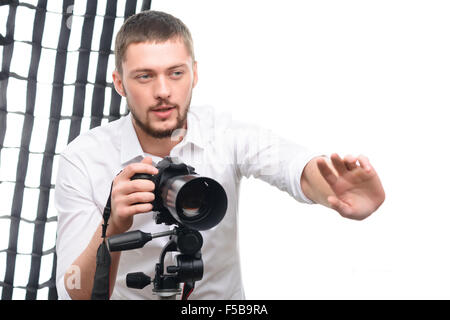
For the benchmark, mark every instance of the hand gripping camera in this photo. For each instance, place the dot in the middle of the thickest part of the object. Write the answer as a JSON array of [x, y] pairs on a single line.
[[190, 202]]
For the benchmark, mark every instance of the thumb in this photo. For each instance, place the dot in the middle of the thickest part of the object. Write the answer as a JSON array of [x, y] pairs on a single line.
[[147, 160]]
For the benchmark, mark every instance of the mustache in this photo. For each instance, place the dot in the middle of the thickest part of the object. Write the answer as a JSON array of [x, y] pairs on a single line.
[[163, 103]]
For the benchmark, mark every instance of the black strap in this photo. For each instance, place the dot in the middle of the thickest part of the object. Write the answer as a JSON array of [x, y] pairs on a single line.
[[101, 288], [106, 215], [100, 291]]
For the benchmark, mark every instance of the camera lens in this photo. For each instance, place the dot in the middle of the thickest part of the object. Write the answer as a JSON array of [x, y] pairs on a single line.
[[198, 202], [193, 199]]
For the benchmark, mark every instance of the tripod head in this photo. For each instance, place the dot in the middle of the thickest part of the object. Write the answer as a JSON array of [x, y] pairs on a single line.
[[189, 267]]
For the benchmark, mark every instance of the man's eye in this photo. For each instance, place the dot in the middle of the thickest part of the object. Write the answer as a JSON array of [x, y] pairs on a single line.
[[144, 76], [177, 73]]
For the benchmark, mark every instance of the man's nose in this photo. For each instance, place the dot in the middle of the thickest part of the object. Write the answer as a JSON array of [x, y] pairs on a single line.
[[162, 88]]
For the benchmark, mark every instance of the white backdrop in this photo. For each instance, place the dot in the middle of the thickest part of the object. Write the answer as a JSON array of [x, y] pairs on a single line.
[[359, 77], [370, 77]]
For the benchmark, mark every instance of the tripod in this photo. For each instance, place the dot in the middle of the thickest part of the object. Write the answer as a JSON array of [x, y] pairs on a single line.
[[189, 266]]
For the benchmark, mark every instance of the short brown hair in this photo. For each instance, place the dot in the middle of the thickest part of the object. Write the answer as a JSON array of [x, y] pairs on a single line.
[[150, 26]]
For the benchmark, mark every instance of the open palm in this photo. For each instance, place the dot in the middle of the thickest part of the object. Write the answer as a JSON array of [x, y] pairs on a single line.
[[357, 188]]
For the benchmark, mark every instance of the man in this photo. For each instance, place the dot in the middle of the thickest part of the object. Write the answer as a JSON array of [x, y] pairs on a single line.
[[156, 72]]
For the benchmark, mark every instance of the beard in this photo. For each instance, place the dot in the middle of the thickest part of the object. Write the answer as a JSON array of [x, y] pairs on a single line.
[[147, 127]]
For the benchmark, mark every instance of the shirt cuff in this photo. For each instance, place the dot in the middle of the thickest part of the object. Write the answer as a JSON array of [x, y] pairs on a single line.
[[295, 172]]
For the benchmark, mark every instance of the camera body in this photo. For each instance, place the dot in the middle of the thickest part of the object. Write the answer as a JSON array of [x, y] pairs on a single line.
[[168, 167]]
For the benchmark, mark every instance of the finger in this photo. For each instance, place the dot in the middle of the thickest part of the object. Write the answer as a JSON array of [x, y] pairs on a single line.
[[138, 185], [134, 168], [350, 162], [139, 208], [326, 171], [338, 164], [140, 197], [126, 187], [365, 164]]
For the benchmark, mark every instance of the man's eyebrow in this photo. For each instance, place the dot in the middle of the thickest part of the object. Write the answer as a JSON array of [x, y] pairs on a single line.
[[178, 66], [151, 70]]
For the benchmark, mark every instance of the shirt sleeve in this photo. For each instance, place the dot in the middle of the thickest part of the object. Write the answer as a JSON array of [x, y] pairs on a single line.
[[264, 155], [78, 218]]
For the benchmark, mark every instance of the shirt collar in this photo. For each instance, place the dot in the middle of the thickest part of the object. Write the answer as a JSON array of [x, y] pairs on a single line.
[[131, 147], [195, 134]]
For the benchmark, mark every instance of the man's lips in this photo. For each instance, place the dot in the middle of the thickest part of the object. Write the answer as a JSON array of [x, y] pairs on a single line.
[[163, 112], [163, 108]]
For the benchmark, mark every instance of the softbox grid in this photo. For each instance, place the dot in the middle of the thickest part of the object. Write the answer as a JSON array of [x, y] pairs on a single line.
[[56, 64]]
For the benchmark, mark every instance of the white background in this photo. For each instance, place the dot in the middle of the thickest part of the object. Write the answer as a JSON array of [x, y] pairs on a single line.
[[352, 77], [358, 77]]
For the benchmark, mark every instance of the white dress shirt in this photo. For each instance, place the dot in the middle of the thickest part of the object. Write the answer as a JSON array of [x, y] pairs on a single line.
[[217, 147]]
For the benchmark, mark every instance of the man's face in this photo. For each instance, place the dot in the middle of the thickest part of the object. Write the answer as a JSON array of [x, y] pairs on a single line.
[[157, 80]]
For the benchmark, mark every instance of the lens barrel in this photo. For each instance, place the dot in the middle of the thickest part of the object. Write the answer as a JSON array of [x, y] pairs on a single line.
[[195, 201]]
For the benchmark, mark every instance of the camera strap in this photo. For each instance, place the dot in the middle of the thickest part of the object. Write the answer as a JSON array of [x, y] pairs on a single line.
[[100, 290]]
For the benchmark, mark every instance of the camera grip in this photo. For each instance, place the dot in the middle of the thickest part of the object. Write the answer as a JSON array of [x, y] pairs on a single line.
[[143, 176]]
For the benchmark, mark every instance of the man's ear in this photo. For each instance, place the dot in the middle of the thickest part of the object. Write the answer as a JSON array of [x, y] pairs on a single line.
[[194, 69], [118, 83]]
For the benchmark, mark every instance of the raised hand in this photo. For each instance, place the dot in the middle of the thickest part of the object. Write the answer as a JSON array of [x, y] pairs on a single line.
[[356, 186]]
